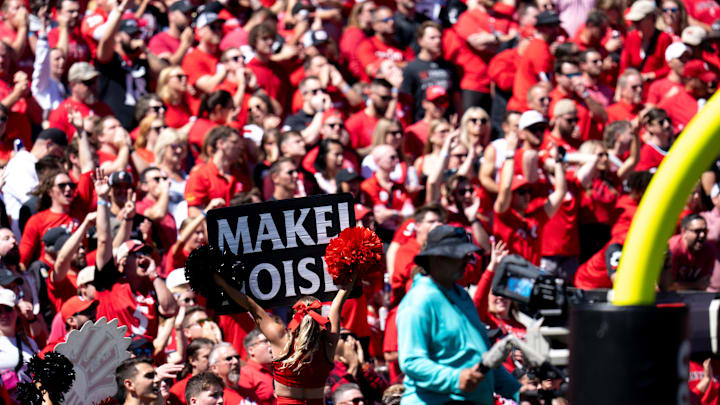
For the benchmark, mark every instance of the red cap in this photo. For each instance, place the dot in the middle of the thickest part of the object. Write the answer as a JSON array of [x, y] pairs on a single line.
[[360, 211], [518, 181], [74, 305], [698, 69], [503, 9], [435, 92]]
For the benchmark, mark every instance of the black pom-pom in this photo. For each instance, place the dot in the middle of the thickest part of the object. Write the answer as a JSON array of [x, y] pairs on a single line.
[[58, 374], [28, 394], [203, 263]]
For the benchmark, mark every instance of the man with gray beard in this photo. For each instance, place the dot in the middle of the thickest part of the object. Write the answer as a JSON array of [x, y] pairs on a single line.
[[225, 363]]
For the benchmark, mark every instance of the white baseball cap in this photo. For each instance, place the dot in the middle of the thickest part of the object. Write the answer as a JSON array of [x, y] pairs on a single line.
[[675, 51], [7, 297], [176, 278], [530, 118]]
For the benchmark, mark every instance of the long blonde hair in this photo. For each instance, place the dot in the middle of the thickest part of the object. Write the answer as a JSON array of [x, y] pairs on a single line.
[[164, 91], [304, 341]]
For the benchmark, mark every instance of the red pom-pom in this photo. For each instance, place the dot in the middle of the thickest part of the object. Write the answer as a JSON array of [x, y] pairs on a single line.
[[355, 250]]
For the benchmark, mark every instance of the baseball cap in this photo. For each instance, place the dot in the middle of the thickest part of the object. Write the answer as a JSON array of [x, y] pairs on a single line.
[[207, 18], [693, 35], [435, 92], [548, 17], [182, 6], [129, 26], [53, 134], [74, 305], [518, 182], [81, 71], [176, 278], [131, 246], [345, 175], [120, 178], [7, 297], [361, 211], [314, 38], [697, 69], [56, 237], [446, 241], [530, 118], [86, 275], [675, 51], [640, 9], [8, 277]]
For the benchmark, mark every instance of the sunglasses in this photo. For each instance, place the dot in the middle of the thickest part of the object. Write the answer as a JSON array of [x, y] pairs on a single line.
[[386, 19], [395, 133], [335, 125], [63, 186], [216, 27], [357, 400], [315, 91], [230, 358], [463, 191], [157, 108], [572, 120], [670, 10], [159, 128], [180, 76], [386, 98], [482, 120], [293, 171], [571, 75], [143, 352], [158, 178]]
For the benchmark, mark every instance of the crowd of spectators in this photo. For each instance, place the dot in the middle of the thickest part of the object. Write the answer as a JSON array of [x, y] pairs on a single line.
[[535, 123]]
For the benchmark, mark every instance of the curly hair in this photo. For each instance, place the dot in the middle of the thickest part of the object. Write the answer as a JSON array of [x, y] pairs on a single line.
[[42, 191]]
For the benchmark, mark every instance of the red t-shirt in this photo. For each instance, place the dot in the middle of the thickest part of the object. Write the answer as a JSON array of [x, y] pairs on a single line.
[[390, 344], [199, 130], [166, 227], [31, 246], [404, 263], [205, 183], [589, 128], [17, 127], [522, 234], [623, 111], [681, 108], [650, 157], [258, 379], [416, 138], [271, 77], [532, 65], [136, 311], [560, 236], [405, 232], [177, 116], [360, 126], [706, 11], [61, 291], [395, 198], [174, 262], [659, 89], [177, 391], [163, 43], [350, 41], [78, 48], [631, 54], [503, 67], [58, 117], [474, 63], [372, 51], [89, 26], [197, 64]]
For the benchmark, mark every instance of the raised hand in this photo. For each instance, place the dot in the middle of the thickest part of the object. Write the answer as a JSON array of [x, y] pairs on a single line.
[[101, 181]]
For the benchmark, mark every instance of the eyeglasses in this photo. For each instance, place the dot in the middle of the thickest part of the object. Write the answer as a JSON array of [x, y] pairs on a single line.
[[63, 186], [158, 178], [157, 108], [571, 75], [159, 128], [482, 120], [4, 309], [180, 76], [315, 91], [395, 133], [698, 231], [357, 400], [230, 358], [386, 98], [669, 10], [335, 125], [386, 19]]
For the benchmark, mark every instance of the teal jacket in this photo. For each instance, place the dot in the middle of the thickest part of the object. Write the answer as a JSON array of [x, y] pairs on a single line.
[[439, 334]]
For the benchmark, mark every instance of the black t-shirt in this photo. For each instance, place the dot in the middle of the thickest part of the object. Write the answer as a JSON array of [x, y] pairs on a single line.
[[299, 121], [418, 75], [120, 85]]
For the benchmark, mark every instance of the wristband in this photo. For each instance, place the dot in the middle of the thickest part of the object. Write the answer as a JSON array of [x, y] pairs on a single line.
[[203, 213], [483, 369], [510, 155], [103, 202], [153, 277], [345, 88], [394, 91]]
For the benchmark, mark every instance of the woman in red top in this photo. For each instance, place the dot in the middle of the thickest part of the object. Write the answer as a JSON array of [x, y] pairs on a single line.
[[172, 89], [645, 46], [148, 133], [215, 110], [305, 349]]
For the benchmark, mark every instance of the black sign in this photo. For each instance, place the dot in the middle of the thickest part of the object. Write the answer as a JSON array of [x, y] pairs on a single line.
[[282, 244]]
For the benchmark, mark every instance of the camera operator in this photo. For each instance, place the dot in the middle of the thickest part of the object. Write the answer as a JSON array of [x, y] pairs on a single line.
[[441, 337]]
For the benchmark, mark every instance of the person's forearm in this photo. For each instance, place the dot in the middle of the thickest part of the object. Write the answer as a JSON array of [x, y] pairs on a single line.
[[207, 83], [166, 301], [18, 45], [12, 98], [159, 210], [123, 233], [85, 157], [41, 67], [120, 162], [502, 202], [350, 94], [156, 64], [311, 134], [63, 40], [69, 249], [106, 44], [104, 235], [177, 58], [337, 304]]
